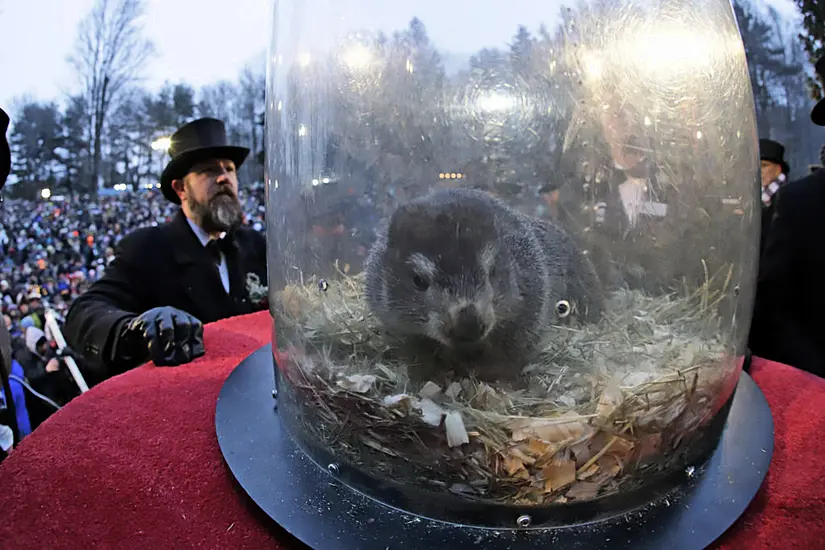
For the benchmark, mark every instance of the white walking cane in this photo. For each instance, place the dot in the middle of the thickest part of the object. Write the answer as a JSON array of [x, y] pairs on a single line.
[[57, 336]]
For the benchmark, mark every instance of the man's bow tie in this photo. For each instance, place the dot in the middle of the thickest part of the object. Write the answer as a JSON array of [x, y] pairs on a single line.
[[214, 247]]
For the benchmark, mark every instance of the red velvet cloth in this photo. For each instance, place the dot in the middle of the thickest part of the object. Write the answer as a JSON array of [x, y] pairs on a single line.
[[135, 463]]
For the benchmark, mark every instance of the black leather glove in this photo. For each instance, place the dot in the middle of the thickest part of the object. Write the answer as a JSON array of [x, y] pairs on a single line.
[[170, 336]]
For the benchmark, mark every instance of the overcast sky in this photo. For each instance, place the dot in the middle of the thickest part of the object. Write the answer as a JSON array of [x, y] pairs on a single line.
[[202, 41]]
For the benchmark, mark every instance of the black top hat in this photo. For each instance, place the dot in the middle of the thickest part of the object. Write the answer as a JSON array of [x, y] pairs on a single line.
[[5, 152], [773, 151], [196, 141], [818, 112]]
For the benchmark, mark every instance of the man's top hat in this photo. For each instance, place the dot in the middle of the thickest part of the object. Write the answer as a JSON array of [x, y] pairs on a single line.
[[196, 141], [5, 152], [818, 112], [773, 151]]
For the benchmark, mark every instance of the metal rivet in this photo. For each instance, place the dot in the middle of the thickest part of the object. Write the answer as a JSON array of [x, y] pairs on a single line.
[[274, 394], [524, 521], [333, 469]]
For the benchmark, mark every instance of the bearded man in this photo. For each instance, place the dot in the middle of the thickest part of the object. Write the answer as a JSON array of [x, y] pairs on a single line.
[[166, 281]]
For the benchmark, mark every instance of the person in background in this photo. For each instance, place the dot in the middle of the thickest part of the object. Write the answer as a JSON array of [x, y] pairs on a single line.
[[788, 324], [775, 173], [45, 374], [166, 281], [8, 415]]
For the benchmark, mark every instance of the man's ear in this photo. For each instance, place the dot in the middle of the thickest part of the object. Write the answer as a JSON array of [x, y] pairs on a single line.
[[177, 186]]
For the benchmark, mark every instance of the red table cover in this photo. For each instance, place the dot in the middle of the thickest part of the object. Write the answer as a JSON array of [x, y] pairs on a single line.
[[135, 463]]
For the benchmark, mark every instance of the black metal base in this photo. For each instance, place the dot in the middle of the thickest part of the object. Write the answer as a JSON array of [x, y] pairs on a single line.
[[324, 513]]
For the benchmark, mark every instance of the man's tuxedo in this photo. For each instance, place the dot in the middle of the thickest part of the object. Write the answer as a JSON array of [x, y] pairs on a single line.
[[166, 265]]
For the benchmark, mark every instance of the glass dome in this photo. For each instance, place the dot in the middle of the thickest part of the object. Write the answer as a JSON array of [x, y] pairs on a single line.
[[512, 245]]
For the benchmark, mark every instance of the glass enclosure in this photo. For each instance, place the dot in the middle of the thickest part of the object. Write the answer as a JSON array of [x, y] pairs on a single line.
[[512, 245]]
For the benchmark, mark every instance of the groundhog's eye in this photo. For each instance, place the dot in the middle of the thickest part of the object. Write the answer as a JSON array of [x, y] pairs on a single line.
[[563, 308], [420, 282]]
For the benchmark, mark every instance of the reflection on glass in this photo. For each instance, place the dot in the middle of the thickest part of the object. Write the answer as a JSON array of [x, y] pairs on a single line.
[[511, 251]]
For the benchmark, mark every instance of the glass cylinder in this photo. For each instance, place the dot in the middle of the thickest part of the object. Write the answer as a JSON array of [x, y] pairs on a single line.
[[512, 245]]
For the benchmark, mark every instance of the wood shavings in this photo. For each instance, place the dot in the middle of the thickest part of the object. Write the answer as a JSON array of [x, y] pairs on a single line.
[[358, 383], [378, 447], [554, 430], [648, 447], [609, 401], [588, 473], [453, 390], [456, 432], [512, 465], [558, 475], [430, 412], [488, 398], [542, 451], [583, 491], [401, 402], [430, 390]]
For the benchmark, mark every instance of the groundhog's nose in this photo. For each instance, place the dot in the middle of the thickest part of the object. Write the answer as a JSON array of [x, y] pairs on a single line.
[[467, 326]]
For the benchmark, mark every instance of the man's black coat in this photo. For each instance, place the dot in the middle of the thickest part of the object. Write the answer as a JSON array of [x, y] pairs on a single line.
[[165, 266], [789, 314]]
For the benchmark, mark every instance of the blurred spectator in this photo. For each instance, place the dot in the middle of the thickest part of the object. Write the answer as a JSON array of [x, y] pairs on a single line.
[[774, 172]]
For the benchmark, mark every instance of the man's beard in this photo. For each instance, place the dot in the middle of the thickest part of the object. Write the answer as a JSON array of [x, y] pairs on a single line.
[[220, 213]]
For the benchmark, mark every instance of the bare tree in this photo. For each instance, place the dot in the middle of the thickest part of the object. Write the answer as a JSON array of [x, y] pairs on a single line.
[[109, 54]]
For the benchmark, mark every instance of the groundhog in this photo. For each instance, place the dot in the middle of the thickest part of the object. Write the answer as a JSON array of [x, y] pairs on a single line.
[[460, 277]]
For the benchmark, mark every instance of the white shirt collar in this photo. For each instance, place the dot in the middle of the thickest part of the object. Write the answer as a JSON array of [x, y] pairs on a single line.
[[202, 235]]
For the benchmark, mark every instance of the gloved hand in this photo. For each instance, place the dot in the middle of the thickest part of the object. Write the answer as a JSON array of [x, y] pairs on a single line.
[[172, 337]]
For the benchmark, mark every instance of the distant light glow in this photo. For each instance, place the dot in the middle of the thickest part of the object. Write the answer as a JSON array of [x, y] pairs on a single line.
[[302, 130], [357, 57], [671, 48], [46, 193], [496, 101], [304, 59], [162, 144], [593, 65]]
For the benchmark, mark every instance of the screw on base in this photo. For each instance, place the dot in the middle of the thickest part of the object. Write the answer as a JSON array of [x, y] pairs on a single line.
[[524, 521], [333, 469]]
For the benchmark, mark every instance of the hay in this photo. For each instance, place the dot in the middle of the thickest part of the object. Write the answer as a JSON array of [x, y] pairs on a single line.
[[601, 404]]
